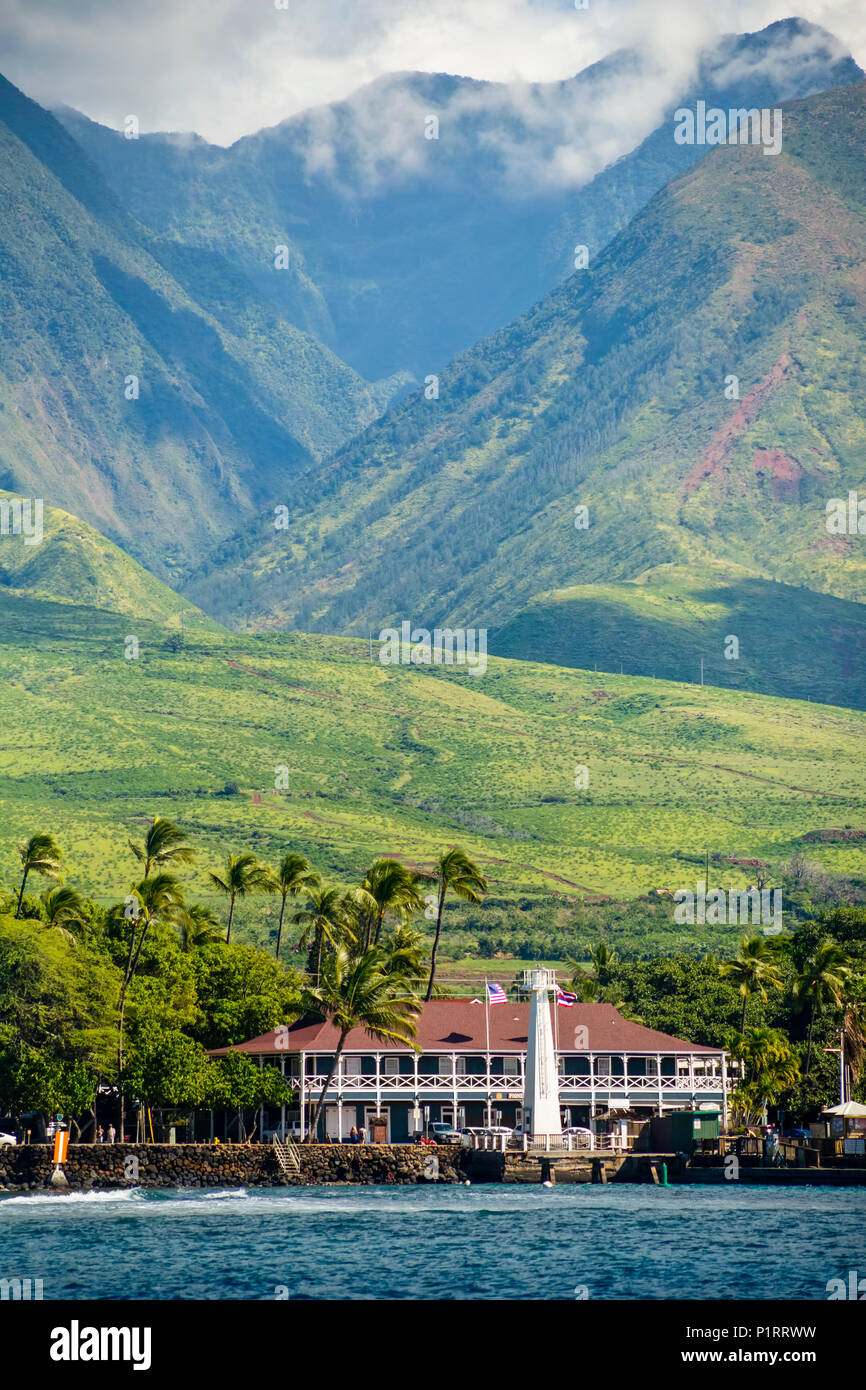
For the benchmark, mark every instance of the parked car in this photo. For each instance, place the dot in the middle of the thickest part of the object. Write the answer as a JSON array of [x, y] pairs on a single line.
[[442, 1133], [796, 1134], [6, 1138], [579, 1134]]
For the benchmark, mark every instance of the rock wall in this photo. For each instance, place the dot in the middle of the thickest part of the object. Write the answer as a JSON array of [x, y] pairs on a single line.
[[29, 1167]]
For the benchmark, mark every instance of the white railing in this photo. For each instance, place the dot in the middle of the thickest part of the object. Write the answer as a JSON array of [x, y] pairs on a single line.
[[513, 1085]]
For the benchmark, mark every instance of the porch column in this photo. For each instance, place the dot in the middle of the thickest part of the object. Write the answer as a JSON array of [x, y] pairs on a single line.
[[302, 1094], [378, 1083], [659, 1080], [692, 1076], [339, 1100], [592, 1091], [725, 1092], [454, 1086], [261, 1108], [283, 1101]]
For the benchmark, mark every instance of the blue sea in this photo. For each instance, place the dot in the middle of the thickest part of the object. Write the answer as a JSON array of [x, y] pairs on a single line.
[[484, 1242]]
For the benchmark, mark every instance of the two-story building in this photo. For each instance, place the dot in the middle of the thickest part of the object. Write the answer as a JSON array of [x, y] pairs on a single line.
[[469, 1069]]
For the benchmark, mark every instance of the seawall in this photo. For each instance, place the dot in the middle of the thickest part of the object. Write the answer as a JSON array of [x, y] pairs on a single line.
[[28, 1167]]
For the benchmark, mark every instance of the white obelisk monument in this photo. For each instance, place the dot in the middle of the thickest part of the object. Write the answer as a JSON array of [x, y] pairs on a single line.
[[541, 1089]]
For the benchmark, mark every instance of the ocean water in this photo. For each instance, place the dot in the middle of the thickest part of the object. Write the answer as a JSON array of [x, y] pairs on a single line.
[[487, 1242]]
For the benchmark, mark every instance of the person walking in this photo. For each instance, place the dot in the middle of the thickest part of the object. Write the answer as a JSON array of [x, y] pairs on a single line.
[[112, 1134], [362, 1134], [100, 1135]]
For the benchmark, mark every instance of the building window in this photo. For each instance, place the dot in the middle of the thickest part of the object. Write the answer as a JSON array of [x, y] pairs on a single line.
[[460, 1066], [392, 1066], [511, 1066], [352, 1066]]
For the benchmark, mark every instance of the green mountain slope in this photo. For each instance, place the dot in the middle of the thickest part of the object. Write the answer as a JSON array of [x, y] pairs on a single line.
[[74, 564], [399, 760], [233, 401], [610, 394], [406, 250], [789, 641]]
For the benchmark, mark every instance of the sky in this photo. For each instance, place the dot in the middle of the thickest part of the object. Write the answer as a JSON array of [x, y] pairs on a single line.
[[225, 68]]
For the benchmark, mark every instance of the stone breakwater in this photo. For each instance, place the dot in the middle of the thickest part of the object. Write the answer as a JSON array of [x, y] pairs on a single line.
[[28, 1168]]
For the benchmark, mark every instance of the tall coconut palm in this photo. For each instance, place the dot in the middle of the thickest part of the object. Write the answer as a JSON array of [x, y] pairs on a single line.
[[822, 981], [153, 899], [393, 889], [243, 874], [454, 870], [854, 1035], [355, 991], [324, 918], [754, 970], [197, 926], [293, 875], [39, 855], [165, 846], [62, 907]]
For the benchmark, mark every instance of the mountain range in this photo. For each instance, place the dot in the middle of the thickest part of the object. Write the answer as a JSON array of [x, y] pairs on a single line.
[[637, 461], [404, 249]]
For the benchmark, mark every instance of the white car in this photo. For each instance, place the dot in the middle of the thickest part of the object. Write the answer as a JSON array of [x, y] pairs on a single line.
[[582, 1137], [7, 1138]]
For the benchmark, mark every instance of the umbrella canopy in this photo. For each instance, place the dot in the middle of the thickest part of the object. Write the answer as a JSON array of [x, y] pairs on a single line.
[[852, 1109]]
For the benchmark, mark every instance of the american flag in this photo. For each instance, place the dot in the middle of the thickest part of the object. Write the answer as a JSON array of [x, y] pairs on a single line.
[[496, 994], [565, 999]]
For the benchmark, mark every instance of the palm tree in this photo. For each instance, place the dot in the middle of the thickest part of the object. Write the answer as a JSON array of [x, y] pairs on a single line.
[[325, 919], [822, 981], [455, 870], [393, 888], [769, 1067], [62, 906], [754, 970], [153, 899], [293, 875], [854, 1035], [197, 926], [355, 991], [603, 958], [39, 855], [405, 949], [165, 845], [243, 874]]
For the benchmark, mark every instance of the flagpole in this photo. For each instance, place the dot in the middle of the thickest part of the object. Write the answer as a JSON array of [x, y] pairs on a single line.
[[487, 1036]]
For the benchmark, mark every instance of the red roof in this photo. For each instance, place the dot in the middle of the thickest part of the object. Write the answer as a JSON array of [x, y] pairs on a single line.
[[457, 1025]]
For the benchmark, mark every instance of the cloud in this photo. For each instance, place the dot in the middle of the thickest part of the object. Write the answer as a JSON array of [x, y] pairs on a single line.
[[225, 68]]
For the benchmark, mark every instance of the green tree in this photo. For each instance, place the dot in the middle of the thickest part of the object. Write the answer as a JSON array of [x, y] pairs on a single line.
[[821, 982], [392, 888], [235, 1080], [454, 870], [243, 874], [39, 855], [154, 899], [324, 919], [165, 846], [769, 1067], [197, 926], [754, 970], [294, 874], [356, 991], [63, 907], [242, 992]]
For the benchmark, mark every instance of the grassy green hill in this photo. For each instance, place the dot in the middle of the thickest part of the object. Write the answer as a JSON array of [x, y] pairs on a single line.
[[74, 564], [401, 761], [791, 641], [611, 394], [233, 400]]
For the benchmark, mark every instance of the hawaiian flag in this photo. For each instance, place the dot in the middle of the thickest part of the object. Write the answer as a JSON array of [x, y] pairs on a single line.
[[496, 994], [567, 1000]]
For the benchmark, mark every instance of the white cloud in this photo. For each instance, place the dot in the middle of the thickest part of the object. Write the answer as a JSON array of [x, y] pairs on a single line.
[[228, 67]]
